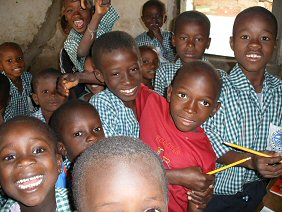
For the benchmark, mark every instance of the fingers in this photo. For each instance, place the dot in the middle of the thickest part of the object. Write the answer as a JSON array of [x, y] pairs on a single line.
[[83, 4], [200, 198]]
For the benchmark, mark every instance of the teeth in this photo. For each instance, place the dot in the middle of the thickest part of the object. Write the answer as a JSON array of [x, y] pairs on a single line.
[[78, 23], [253, 56], [128, 91], [38, 180]]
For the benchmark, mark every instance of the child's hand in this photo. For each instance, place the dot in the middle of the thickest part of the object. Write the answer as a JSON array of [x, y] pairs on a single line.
[[200, 198], [267, 167], [157, 32], [102, 6], [83, 3], [65, 83]]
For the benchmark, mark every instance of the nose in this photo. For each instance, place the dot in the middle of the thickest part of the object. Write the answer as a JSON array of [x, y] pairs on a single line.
[[126, 79], [255, 43], [190, 42], [26, 161], [91, 138], [191, 107]]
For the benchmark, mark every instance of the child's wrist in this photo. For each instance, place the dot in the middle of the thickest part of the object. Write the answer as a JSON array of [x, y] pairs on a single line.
[[92, 32]]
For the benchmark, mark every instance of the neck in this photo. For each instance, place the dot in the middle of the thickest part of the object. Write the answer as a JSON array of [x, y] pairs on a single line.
[[150, 34], [256, 79], [148, 83], [47, 115]]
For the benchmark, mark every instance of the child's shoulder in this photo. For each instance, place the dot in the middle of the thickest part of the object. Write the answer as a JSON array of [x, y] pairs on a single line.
[[105, 99]]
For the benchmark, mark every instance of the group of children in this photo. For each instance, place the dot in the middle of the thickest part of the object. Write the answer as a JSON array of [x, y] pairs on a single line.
[[92, 145]]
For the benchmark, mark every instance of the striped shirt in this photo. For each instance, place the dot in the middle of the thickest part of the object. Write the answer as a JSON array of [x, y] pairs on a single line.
[[117, 119], [166, 50], [20, 103], [244, 120], [63, 201], [72, 42], [39, 115]]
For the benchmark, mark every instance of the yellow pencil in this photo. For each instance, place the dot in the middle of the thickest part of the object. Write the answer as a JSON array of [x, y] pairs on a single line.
[[230, 165], [248, 150]]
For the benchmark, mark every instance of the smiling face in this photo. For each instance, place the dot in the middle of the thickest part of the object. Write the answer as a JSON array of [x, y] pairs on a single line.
[[29, 164], [153, 17], [192, 98], [122, 74], [253, 42], [12, 62], [84, 128], [77, 17], [46, 94], [191, 40], [150, 63], [141, 190]]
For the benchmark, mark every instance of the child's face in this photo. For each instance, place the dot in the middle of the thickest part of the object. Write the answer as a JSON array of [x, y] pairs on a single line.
[[12, 63], [253, 42], [80, 130], [153, 17], [129, 188], [77, 17], [29, 165], [192, 100], [150, 63], [122, 74], [46, 94], [191, 41]]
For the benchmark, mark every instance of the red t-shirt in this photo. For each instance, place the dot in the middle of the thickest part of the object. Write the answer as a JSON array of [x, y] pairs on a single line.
[[176, 148]]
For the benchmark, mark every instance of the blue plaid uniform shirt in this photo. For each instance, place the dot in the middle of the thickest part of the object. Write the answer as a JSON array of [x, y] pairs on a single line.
[[72, 42], [244, 120], [166, 49], [117, 119], [20, 103], [63, 201], [38, 114]]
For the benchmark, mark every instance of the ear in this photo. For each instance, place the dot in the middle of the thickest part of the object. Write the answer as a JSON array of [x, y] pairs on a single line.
[[165, 18], [231, 42], [99, 76], [59, 161], [62, 149], [173, 40], [35, 98], [215, 109], [208, 43], [168, 93]]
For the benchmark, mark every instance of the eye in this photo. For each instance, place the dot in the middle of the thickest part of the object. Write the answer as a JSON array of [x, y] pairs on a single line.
[[183, 38], [182, 95], [145, 62], [10, 157], [205, 103], [152, 210], [9, 60], [19, 59], [198, 39], [134, 69], [38, 150], [245, 37], [69, 11], [77, 134], [265, 38], [115, 74], [45, 91], [97, 129]]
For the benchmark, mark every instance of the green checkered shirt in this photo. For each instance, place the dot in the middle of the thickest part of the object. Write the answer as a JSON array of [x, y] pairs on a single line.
[[72, 42], [62, 199], [243, 120]]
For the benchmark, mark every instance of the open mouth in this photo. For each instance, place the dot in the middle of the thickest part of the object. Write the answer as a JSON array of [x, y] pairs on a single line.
[[30, 183], [129, 92], [79, 24], [253, 56]]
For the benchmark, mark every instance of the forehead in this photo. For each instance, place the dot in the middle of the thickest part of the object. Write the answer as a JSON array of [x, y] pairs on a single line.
[[148, 52], [153, 9], [125, 56], [194, 26], [69, 2], [10, 49]]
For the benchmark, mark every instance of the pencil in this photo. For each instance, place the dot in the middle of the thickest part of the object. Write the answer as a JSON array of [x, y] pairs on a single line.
[[248, 150], [230, 165]]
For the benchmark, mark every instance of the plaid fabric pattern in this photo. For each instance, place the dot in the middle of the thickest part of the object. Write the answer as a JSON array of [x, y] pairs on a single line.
[[38, 114], [20, 103], [63, 200], [166, 49], [117, 119], [72, 42], [243, 120]]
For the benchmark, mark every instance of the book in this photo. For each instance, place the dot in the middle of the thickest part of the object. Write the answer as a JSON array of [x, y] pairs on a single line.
[[276, 188]]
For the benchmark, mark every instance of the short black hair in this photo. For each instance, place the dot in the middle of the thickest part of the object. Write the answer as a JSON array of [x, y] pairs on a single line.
[[35, 124], [256, 10], [57, 118], [64, 22], [147, 47], [12, 45], [120, 148], [202, 67], [4, 90], [192, 16], [111, 41], [154, 3], [44, 74]]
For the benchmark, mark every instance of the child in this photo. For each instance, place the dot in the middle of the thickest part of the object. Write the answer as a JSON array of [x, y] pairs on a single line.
[[150, 63], [153, 17], [4, 95], [91, 89], [251, 101], [172, 129], [85, 27], [45, 94], [191, 39], [12, 65], [119, 174], [30, 166], [75, 132]]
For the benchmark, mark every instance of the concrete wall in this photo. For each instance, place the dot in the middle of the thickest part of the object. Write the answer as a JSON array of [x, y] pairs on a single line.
[[34, 24]]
